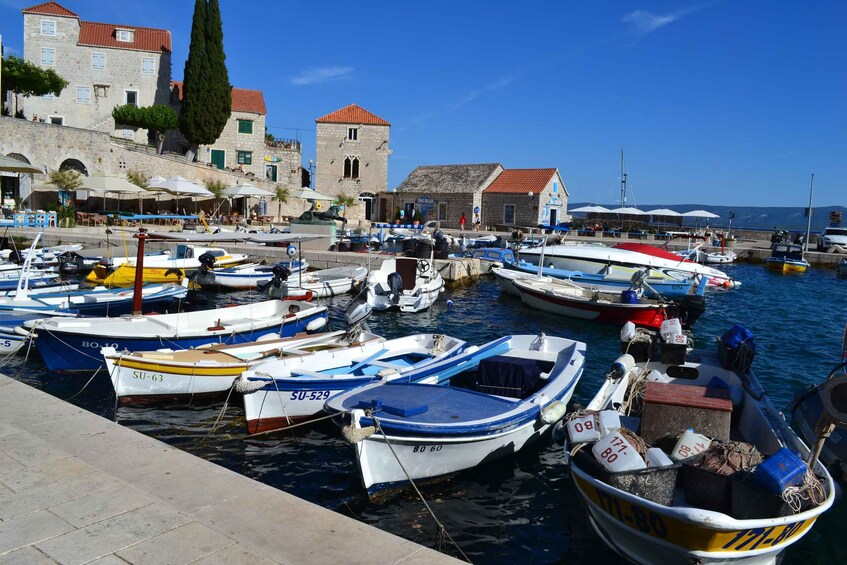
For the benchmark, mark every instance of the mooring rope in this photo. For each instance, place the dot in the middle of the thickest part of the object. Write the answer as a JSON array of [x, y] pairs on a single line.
[[291, 427], [442, 531], [85, 385]]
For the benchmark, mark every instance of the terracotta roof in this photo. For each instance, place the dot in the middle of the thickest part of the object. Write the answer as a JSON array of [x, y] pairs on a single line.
[[449, 179], [50, 9], [243, 100], [521, 180], [352, 114], [144, 39]]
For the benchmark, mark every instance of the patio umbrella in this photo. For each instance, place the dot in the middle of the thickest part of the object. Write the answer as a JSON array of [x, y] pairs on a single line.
[[629, 211], [181, 186], [588, 209], [663, 212], [245, 190], [700, 214], [152, 186], [12, 165], [107, 182], [307, 193]]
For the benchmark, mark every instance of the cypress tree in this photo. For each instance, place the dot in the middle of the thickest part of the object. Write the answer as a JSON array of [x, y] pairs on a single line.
[[207, 94]]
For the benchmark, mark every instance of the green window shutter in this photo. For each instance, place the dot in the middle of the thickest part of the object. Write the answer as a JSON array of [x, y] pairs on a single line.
[[245, 157], [245, 126]]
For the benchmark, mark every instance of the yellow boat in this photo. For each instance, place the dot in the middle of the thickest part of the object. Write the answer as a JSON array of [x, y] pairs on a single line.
[[163, 269], [786, 258]]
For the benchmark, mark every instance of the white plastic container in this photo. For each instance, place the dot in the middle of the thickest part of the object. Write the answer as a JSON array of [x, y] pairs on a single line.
[[657, 458], [628, 331], [670, 327], [676, 339], [655, 376], [609, 420], [689, 445], [616, 454], [583, 429]]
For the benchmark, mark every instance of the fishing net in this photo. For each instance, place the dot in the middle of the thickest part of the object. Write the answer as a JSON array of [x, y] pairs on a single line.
[[726, 458]]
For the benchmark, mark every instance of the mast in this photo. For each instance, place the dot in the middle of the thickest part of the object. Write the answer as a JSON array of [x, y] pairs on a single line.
[[623, 183], [809, 221]]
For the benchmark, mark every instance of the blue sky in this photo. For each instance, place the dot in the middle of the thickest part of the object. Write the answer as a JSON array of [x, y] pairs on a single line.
[[723, 103]]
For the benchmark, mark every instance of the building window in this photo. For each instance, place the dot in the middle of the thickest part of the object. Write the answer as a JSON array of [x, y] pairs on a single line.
[[509, 214], [442, 211], [245, 126], [351, 168], [555, 187], [131, 97], [56, 120], [148, 66], [353, 134], [245, 157], [48, 27], [98, 61], [124, 35], [48, 56], [83, 94]]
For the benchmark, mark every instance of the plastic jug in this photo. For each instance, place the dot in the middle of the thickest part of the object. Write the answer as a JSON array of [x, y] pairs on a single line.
[[609, 420], [616, 454], [689, 445], [628, 331], [670, 327], [657, 458], [583, 429]]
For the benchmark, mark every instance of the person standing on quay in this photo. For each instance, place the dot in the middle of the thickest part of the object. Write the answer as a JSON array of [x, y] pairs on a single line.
[[462, 221]]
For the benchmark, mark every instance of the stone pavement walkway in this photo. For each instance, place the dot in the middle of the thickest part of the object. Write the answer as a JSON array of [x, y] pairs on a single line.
[[77, 488]]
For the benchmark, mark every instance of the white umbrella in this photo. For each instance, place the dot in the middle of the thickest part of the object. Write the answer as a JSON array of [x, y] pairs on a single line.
[[12, 165], [308, 194], [700, 214], [245, 190], [107, 182], [628, 210], [181, 186], [663, 212], [152, 186], [588, 209]]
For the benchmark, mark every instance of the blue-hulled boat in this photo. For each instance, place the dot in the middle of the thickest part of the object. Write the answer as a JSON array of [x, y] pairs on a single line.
[[99, 301], [476, 407]]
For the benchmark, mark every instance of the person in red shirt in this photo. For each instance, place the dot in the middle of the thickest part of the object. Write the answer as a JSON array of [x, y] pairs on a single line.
[[462, 221]]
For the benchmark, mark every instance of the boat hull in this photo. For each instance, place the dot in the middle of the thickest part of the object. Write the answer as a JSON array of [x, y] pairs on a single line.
[[781, 266], [645, 532], [65, 351], [283, 404]]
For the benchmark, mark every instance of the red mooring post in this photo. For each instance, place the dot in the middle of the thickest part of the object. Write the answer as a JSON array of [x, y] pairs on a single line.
[[141, 236]]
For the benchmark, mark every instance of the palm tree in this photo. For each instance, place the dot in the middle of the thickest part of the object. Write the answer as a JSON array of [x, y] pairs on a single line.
[[216, 187], [346, 200], [281, 193]]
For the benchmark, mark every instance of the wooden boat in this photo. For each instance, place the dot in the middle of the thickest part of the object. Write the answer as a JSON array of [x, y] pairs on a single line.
[[682, 510], [489, 257], [567, 299], [786, 258], [74, 345], [167, 374], [406, 283], [637, 256], [283, 391], [476, 407], [10, 341], [99, 301], [322, 283]]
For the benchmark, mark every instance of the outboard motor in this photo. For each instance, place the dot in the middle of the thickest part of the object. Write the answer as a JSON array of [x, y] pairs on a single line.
[[395, 284], [204, 275], [16, 257], [691, 308]]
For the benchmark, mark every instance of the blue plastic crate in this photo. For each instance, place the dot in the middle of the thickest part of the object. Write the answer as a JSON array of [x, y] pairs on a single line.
[[780, 470]]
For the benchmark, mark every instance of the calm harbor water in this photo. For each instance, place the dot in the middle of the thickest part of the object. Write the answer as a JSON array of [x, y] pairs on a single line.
[[520, 509]]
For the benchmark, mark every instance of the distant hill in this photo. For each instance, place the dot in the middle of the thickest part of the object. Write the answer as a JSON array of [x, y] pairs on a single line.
[[751, 217]]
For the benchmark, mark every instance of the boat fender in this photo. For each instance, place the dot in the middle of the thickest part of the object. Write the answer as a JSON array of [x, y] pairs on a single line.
[[388, 374], [316, 324], [268, 337], [354, 432], [243, 386], [832, 396], [553, 412], [622, 365]]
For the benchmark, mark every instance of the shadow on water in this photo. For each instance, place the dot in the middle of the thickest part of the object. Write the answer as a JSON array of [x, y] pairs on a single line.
[[522, 507]]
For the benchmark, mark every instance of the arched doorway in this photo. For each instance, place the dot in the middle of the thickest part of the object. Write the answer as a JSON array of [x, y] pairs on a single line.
[[368, 200], [73, 164], [14, 187]]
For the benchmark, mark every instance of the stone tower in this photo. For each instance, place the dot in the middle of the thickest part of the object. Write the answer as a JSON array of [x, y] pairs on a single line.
[[352, 155]]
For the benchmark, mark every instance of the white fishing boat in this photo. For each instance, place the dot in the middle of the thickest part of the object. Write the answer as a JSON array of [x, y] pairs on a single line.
[[167, 374], [723, 479], [595, 258], [322, 283], [284, 391], [410, 284], [481, 405], [246, 277]]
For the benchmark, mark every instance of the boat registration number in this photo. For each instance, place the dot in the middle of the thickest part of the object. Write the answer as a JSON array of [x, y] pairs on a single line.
[[98, 345], [144, 375], [309, 395]]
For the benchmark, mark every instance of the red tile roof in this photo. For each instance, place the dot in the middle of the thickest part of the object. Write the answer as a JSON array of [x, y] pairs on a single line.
[[521, 181], [50, 9], [352, 114], [243, 100], [144, 38]]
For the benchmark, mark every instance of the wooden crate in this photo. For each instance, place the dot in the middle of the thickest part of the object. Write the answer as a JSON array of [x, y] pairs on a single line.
[[670, 409]]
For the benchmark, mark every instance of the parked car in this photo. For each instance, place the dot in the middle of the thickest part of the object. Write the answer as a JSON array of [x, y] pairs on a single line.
[[832, 236]]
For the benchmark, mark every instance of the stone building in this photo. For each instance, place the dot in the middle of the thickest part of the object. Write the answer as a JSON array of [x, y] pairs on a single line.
[[443, 192], [525, 197], [502, 198], [106, 65], [352, 156], [242, 145]]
